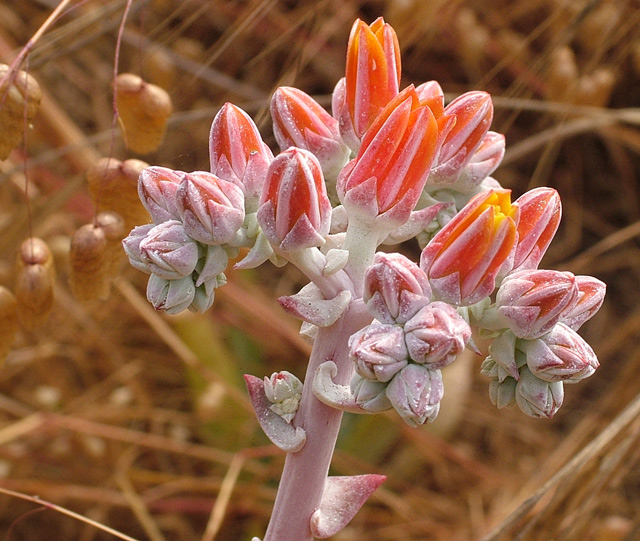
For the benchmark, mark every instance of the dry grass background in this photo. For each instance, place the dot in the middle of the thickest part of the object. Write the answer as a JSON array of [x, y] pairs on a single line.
[[140, 421]]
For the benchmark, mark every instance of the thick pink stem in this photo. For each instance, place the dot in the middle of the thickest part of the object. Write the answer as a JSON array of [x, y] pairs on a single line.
[[305, 472]]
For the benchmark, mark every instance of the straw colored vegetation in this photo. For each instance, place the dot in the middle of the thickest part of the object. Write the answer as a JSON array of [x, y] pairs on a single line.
[[141, 423]]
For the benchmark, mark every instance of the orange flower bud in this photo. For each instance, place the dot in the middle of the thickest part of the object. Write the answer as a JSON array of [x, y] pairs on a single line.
[[372, 72], [386, 178], [463, 260]]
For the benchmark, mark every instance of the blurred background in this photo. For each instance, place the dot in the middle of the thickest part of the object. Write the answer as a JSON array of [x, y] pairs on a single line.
[[140, 421]]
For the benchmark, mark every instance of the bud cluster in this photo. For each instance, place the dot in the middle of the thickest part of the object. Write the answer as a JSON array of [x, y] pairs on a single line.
[[399, 356]]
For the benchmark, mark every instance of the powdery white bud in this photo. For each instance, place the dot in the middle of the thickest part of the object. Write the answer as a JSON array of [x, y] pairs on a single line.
[[211, 208], [560, 355], [168, 251], [536, 397], [436, 335], [157, 190], [284, 390], [395, 288], [171, 296], [531, 302], [379, 351], [415, 393], [502, 393], [131, 245], [369, 395], [485, 160]]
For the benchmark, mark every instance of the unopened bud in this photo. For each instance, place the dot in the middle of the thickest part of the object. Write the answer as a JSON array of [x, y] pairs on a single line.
[[560, 355], [284, 391], [538, 398], [415, 393], [395, 288], [379, 351], [436, 335], [171, 296]]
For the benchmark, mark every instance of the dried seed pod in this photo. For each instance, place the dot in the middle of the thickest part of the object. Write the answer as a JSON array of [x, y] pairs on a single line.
[[143, 109], [88, 264], [114, 187], [562, 74], [160, 67], [114, 231], [596, 88], [8, 321], [17, 91], [34, 283]]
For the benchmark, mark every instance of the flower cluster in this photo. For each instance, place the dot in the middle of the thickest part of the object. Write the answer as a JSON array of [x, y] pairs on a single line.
[[386, 165]]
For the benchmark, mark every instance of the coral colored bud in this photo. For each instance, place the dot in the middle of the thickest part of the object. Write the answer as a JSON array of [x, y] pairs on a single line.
[[157, 188], [395, 288], [590, 299], [237, 152], [436, 335], [431, 94], [539, 218], [168, 251], [473, 112], [415, 393], [464, 258], [485, 160], [212, 209], [299, 121], [561, 354], [379, 351], [531, 302], [295, 212], [284, 391], [171, 296], [372, 75], [385, 180], [538, 398]]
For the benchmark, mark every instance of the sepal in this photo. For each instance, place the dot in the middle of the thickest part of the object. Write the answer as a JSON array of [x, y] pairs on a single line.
[[342, 498], [282, 434], [309, 305], [360, 397]]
